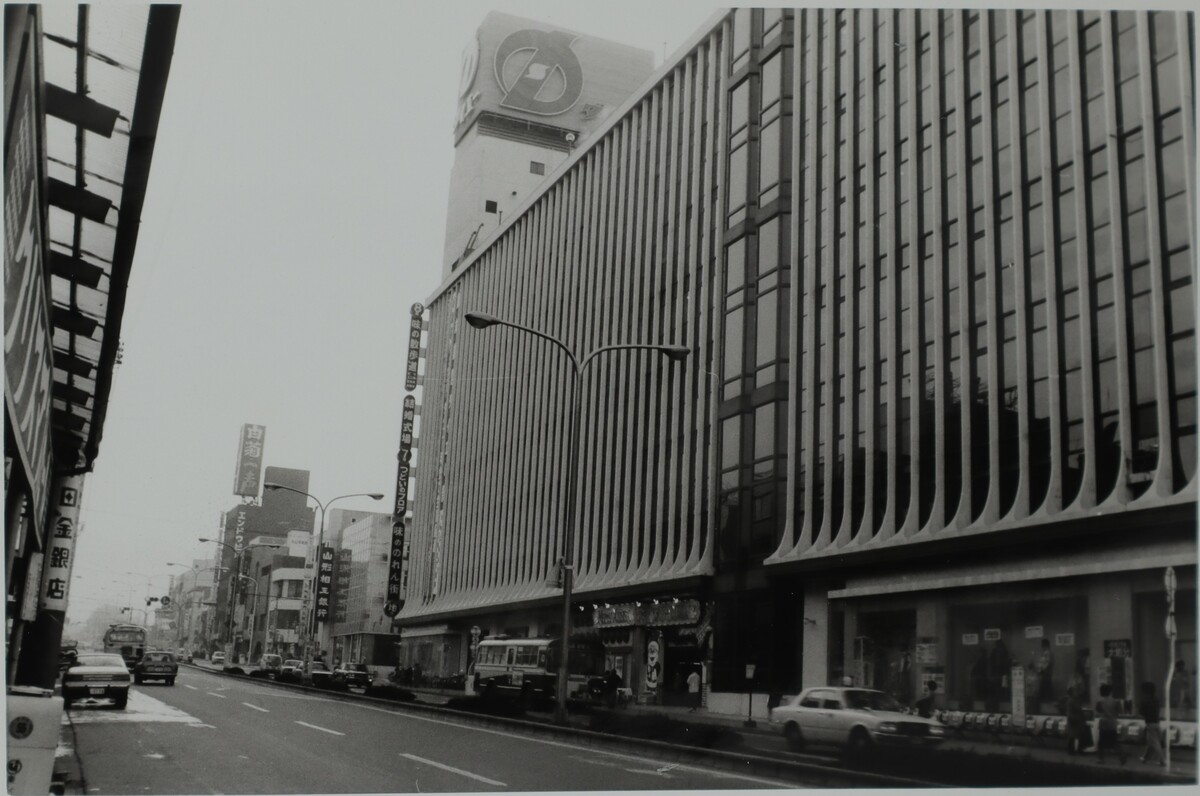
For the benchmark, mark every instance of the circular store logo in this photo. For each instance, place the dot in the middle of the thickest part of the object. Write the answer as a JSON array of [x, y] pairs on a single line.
[[21, 727], [538, 72]]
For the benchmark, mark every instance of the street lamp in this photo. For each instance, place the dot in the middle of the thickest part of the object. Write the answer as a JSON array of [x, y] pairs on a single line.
[[312, 630], [676, 353], [253, 614]]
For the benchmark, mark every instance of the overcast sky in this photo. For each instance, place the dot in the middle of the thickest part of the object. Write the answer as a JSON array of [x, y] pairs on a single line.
[[296, 209]]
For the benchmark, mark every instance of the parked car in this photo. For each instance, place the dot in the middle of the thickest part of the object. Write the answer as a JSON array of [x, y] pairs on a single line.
[[67, 653], [96, 675], [291, 671], [855, 719], [352, 675], [218, 658], [156, 665], [183, 655], [318, 675], [271, 664]]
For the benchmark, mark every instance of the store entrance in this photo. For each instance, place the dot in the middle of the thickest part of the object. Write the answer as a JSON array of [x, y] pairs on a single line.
[[883, 653], [683, 658]]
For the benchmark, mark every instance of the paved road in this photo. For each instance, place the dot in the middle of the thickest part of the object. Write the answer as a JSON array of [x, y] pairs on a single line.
[[213, 734]]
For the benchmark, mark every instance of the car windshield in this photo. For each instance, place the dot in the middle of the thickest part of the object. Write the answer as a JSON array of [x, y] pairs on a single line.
[[291, 663], [101, 660], [158, 657], [871, 700], [319, 667]]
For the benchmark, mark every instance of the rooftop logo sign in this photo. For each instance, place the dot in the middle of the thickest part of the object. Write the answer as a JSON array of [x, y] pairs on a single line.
[[539, 72]]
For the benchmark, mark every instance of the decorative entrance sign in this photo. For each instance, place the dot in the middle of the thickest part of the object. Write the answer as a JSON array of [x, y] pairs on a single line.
[[970, 639], [991, 634]]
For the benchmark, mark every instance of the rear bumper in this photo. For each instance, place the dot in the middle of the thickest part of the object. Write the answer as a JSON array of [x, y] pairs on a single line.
[[104, 691]]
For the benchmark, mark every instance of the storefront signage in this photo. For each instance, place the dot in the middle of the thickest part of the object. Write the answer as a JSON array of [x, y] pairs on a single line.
[[1064, 639], [1033, 631], [404, 457], [414, 347], [1018, 696], [1122, 648], [926, 653], [60, 544], [970, 639], [250, 457], [395, 582], [324, 582], [239, 530], [27, 334], [341, 582], [647, 614], [528, 62], [991, 634]]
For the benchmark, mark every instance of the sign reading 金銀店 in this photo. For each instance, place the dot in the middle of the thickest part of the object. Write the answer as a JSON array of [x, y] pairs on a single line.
[[60, 545], [249, 463]]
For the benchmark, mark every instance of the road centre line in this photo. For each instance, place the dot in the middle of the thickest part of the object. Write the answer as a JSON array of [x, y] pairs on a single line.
[[454, 770], [194, 688], [218, 696], [774, 783], [256, 707], [322, 729]]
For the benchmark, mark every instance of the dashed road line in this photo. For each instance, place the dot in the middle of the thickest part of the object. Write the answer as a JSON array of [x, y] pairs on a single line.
[[256, 707], [218, 696], [194, 688], [322, 729], [454, 770]]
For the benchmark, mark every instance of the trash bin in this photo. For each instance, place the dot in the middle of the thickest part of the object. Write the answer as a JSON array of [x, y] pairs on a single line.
[[34, 718]]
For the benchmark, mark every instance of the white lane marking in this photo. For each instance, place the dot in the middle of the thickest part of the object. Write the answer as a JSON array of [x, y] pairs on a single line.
[[774, 783], [256, 707], [140, 708], [322, 729], [194, 688], [444, 767], [218, 696]]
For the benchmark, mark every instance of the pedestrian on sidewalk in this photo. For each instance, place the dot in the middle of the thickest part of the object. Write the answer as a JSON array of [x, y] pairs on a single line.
[[1079, 735], [1149, 707], [925, 705], [693, 686], [1107, 710]]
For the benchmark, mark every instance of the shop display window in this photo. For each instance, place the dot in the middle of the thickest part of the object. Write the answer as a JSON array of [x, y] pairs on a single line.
[[1045, 639]]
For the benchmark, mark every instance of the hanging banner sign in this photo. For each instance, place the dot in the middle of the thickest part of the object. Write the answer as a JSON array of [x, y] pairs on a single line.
[[684, 612], [414, 347], [403, 457], [60, 546], [324, 582]]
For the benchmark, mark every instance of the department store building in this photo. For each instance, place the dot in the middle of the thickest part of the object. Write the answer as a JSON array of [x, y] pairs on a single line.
[[935, 269]]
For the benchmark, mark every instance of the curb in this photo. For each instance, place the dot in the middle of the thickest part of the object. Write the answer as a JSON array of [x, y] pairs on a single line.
[[68, 779]]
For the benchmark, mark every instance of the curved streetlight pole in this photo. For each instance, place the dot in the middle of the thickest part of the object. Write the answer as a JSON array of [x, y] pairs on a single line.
[[312, 629], [676, 353]]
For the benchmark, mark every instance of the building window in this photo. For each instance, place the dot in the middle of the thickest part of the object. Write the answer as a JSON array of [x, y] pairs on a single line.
[[537, 168], [489, 206]]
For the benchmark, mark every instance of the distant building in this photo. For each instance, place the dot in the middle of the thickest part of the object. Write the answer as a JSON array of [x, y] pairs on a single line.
[[529, 94], [360, 631]]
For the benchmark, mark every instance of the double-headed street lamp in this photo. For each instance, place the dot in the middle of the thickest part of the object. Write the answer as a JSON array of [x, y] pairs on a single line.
[[312, 629], [676, 353]]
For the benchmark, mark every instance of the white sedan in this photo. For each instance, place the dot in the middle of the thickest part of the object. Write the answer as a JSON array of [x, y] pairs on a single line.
[[852, 718]]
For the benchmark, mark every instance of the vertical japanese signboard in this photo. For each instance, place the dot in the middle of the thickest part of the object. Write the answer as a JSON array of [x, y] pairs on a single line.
[[60, 546], [249, 462], [414, 347], [27, 340], [396, 559], [325, 560], [341, 585]]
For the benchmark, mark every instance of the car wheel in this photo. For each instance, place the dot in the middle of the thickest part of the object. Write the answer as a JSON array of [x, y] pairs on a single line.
[[137, 680], [121, 701], [795, 739], [860, 743], [170, 681]]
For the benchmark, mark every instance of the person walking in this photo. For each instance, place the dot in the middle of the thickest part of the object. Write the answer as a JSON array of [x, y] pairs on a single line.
[[1078, 734], [925, 705], [1107, 710], [1148, 706], [693, 687]]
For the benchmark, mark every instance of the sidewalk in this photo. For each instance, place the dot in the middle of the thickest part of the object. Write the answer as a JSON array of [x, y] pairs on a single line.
[[1046, 750]]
